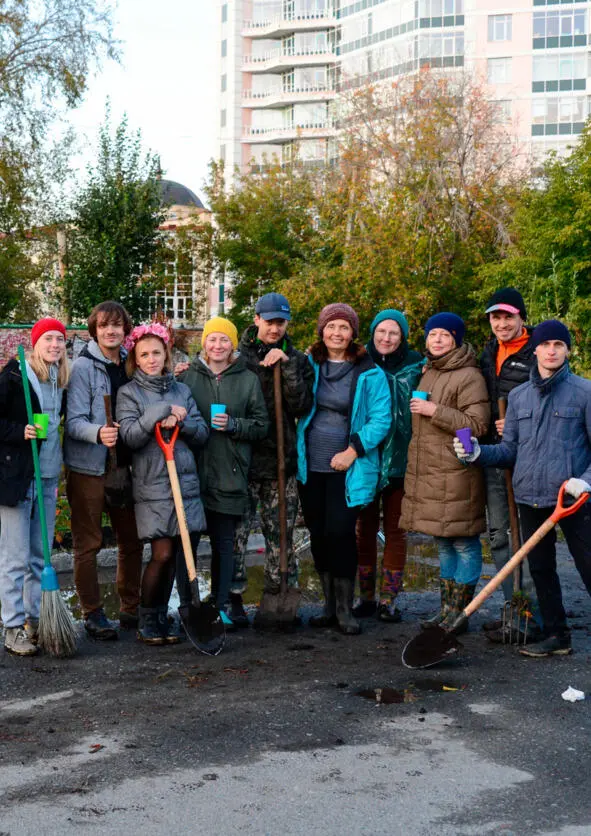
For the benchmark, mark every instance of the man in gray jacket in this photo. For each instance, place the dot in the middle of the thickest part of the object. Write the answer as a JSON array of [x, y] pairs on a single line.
[[99, 371], [547, 437]]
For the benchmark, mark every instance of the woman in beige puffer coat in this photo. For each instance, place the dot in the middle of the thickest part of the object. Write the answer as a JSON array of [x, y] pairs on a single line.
[[443, 497]]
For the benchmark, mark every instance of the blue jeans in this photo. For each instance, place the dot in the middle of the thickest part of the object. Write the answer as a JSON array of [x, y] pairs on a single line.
[[21, 554], [460, 558]]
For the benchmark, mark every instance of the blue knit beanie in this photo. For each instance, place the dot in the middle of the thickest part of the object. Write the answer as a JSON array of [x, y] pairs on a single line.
[[390, 313], [551, 329], [449, 322]]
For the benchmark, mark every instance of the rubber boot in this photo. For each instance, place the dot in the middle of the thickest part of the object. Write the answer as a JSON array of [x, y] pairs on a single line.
[[391, 587], [446, 586], [329, 616], [237, 611], [166, 631], [149, 627], [462, 594], [343, 589]]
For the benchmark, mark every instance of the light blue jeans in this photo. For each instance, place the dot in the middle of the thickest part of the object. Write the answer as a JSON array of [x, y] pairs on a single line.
[[460, 558], [21, 554]]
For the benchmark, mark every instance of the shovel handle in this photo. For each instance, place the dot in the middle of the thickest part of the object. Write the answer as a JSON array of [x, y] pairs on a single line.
[[109, 417], [167, 447], [559, 513], [513, 516], [278, 397]]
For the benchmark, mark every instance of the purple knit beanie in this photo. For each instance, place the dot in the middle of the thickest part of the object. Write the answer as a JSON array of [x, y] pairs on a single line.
[[338, 310]]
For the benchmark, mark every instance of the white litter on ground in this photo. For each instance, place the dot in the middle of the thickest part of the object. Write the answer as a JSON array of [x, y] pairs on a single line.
[[572, 694]]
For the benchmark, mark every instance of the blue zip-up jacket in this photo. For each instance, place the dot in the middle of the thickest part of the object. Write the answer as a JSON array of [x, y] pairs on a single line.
[[370, 418], [547, 436]]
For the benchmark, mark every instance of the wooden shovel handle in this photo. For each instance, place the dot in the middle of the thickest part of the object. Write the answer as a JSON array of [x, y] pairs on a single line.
[[109, 416], [278, 396], [513, 516]]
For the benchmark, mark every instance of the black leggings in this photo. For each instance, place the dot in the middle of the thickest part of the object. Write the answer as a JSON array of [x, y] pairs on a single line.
[[331, 524], [158, 575]]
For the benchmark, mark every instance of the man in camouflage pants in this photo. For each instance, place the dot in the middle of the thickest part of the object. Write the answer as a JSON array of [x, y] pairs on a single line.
[[263, 345]]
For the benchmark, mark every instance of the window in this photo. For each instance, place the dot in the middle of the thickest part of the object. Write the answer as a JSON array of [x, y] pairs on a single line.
[[225, 13], [561, 71], [223, 116], [224, 48], [504, 110], [224, 83], [558, 115], [223, 153], [560, 27], [499, 27], [499, 70]]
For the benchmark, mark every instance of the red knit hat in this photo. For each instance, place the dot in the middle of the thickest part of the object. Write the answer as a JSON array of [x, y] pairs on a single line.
[[338, 310], [43, 326]]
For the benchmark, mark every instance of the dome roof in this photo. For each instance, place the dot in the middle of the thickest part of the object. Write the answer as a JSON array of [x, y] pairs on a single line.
[[175, 194]]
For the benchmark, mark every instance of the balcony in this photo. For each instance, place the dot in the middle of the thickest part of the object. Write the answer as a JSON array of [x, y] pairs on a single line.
[[281, 98], [278, 27], [276, 60], [288, 133]]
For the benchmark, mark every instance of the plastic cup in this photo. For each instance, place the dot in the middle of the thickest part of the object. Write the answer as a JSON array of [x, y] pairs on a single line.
[[465, 436], [424, 396], [41, 418], [216, 409]]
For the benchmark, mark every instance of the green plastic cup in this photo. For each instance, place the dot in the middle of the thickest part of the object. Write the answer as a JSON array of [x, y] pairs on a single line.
[[41, 418]]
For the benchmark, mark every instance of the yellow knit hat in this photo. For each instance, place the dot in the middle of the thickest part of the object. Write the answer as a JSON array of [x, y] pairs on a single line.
[[219, 325]]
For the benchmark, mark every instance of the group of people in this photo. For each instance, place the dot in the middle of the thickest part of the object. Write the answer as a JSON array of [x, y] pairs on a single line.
[[368, 440]]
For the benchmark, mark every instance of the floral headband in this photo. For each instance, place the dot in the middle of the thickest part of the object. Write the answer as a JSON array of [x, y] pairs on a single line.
[[153, 329]]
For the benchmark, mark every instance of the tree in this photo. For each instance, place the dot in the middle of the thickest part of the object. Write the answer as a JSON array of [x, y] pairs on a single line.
[[113, 234]]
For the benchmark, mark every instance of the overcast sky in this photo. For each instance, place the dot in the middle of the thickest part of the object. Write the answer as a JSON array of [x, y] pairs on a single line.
[[166, 83]]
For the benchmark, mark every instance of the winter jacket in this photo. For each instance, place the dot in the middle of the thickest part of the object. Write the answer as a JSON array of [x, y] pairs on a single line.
[[224, 461], [297, 382], [547, 436], [514, 371], [89, 383], [141, 404], [369, 421], [403, 373], [442, 496], [16, 456]]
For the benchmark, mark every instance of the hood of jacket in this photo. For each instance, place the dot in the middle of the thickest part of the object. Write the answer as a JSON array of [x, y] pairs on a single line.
[[92, 352]]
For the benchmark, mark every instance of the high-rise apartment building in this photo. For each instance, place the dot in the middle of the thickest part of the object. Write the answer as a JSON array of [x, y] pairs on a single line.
[[284, 62]]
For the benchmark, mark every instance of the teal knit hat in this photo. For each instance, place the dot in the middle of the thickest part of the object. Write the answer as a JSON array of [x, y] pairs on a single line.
[[390, 313]]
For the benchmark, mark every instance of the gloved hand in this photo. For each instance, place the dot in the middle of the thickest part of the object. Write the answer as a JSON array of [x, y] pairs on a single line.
[[575, 487], [466, 458]]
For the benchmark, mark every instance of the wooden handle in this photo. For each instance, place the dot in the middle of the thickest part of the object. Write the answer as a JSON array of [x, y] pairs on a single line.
[[109, 415], [280, 474], [182, 519], [513, 516]]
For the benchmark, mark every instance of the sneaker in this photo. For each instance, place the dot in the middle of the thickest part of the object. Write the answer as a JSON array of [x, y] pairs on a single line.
[[98, 626], [365, 609], [389, 613], [32, 629], [17, 642], [552, 646], [128, 620], [227, 622]]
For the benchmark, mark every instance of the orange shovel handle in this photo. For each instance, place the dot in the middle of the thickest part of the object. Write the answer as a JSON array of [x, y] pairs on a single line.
[[561, 511], [167, 447]]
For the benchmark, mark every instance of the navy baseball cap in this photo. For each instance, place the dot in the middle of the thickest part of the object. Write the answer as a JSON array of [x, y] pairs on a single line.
[[273, 306]]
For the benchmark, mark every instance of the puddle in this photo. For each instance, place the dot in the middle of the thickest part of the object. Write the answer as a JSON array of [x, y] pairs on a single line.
[[391, 696]]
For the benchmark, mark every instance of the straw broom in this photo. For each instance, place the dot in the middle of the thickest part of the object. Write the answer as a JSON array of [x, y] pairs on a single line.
[[57, 634]]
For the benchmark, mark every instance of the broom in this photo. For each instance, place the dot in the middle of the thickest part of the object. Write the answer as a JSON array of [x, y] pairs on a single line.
[[57, 634]]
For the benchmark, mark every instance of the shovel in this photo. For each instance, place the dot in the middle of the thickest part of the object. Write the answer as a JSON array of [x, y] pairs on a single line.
[[279, 609], [202, 621], [436, 644], [118, 491]]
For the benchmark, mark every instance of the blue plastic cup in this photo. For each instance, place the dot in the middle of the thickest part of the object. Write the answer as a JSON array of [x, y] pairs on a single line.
[[424, 396], [216, 409]]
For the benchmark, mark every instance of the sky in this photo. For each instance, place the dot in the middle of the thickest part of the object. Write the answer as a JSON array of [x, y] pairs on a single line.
[[166, 83]]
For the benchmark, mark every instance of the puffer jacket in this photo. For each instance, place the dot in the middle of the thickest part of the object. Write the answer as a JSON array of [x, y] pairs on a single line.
[[297, 382], [547, 436], [514, 371], [89, 383], [140, 405], [442, 496], [224, 461], [369, 422]]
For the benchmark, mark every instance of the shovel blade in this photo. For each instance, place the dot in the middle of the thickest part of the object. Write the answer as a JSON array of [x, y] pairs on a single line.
[[204, 627], [429, 647], [278, 609]]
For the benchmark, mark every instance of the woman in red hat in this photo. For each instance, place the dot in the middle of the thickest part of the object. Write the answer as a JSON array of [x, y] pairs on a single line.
[[21, 544]]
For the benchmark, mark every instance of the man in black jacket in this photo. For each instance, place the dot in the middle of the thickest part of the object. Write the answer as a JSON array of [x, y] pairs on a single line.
[[263, 345], [506, 363]]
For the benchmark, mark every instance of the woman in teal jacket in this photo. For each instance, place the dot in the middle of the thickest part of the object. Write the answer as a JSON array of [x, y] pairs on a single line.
[[388, 347], [338, 456]]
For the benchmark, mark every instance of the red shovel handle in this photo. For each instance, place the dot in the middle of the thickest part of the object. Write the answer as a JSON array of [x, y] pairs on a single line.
[[561, 511], [167, 447]]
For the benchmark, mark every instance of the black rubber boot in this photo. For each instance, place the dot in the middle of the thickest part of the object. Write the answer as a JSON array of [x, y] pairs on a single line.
[[237, 611], [365, 609], [329, 616], [149, 630], [343, 590], [446, 586], [166, 628]]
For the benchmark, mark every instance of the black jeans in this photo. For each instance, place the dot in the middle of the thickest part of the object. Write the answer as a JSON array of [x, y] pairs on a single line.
[[221, 529], [331, 524], [542, 560]]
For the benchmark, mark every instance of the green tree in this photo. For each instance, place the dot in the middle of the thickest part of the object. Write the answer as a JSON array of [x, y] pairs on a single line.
[[113, 235]]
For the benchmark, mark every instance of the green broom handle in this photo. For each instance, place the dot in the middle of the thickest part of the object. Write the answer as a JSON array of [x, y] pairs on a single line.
[[36, 466]]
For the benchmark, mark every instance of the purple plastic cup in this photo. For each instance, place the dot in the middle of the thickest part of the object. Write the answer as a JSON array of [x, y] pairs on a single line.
[[465, 436]]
